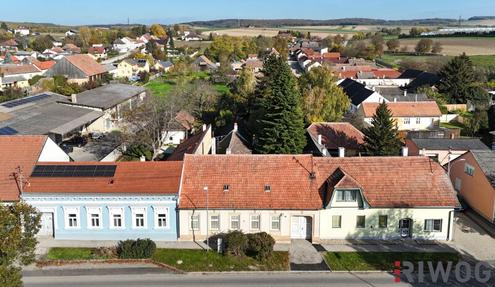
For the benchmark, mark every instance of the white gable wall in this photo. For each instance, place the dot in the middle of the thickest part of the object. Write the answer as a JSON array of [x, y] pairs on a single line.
[[51, 152]]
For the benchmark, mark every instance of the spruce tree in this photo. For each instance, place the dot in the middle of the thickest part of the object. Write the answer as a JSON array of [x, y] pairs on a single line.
[[382, 138], [279, 122]]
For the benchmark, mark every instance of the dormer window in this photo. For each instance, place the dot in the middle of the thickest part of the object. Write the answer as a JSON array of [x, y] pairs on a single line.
[[346, 195], [268, 188], [226, 187]]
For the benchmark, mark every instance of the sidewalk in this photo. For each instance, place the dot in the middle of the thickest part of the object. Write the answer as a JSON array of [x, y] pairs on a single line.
[[387, 246]]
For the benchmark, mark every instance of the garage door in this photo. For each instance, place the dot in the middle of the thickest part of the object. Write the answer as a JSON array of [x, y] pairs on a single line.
[[46, 224], [300, 228]]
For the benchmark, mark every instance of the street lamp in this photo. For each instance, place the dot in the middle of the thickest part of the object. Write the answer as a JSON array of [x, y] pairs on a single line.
[[205, 189]]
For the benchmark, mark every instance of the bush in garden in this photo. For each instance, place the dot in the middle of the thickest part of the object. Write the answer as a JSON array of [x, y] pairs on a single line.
[[235, 243], [260, 245], [136, 249]]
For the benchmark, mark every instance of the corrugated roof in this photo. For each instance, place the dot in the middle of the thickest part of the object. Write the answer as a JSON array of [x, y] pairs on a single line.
[[108, 96], [446, 144]]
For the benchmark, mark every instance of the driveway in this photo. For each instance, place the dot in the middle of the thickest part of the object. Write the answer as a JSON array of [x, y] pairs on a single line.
[[304, 256], [471, 238]]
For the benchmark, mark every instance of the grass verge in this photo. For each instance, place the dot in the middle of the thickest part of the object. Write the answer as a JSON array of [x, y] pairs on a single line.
[[201, 261], [382, 261], [70, 253]]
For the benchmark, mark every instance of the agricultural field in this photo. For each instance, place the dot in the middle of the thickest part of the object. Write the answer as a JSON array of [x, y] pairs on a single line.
[[457, 45], [478, 60]]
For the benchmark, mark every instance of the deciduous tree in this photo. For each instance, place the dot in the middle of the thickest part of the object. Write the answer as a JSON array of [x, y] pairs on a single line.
[[158, 30], [393, 45], [323, 100], [423, 46]]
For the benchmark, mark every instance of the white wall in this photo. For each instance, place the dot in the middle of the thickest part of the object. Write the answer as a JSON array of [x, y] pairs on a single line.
[[384, 82], [51, 152], [282, 235], [348, 228]]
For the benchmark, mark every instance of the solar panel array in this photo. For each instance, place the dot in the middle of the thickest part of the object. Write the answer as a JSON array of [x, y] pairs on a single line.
[[7, 131], [74, 170], [23, 101]]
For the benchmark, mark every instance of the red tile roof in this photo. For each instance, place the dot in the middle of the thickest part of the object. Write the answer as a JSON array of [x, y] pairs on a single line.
[[96, 50], [17, 151], [86, 64], [335, 135], [130, 177], [18, 69], [415, 181], [405, 109], [43, 65]]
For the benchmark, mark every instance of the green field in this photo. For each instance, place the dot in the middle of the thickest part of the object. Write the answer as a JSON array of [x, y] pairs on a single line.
[[190, 260], [394, 60], [159, 87]]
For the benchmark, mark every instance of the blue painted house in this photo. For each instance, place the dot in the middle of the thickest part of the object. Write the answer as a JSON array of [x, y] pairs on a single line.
[[106, 201]]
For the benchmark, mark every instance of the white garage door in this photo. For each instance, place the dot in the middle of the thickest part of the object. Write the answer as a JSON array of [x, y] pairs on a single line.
[[299, 228], [46, 224]]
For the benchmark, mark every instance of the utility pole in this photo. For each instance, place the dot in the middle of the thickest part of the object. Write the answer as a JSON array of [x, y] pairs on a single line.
[[448, 163], [19, 178]]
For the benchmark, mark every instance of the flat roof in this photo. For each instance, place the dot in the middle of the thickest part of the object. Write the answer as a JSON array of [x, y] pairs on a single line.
[[107, 96]]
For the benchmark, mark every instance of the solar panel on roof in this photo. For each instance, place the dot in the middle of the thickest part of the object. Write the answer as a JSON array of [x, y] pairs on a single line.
[[23, 101], [74, 171], [7, 131]]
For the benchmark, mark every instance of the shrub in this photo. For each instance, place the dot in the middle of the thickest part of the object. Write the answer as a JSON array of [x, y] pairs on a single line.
[[105, 252], [235, 243], [260, 245], [136, 249]]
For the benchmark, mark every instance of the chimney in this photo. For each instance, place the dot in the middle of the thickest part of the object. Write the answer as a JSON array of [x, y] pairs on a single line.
[[395, 100], [204, 127], [405, 93], [73, 98], [213, 145], [228, 151], [320, 139], [341, 151], [324, 152], [405, 151], [235, 127], [142, 158]]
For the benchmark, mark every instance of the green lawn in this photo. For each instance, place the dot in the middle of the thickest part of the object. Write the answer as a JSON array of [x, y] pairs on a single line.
[[159, 86], [452, 125], [69, 253], [384, 261], [200, 260], [222, 89]]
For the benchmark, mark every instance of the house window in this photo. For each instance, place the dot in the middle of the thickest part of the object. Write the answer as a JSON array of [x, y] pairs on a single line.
[[433, 225], [73, 221], [161, 217], [360, 221], [235, 222], [418, 121], [457, 184], [71, 218], [139, 220], [255, 222], [275, 222], [336, 221], [215, 222], [95, 220], [195, 222], [268, 188], [139, 217], [407, 121], [382, 221], [226, 187], [346, 195], [469, 169], [116, 217]]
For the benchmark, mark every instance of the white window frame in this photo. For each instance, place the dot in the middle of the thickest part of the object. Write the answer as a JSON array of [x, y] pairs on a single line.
[[217, 216], [192, 220], [112, 211], [418, 120], [162, 210], [277, 220], [340, 221], [347, 195], [469, 169], [89, 212], [135, 212], [72, 210], [432, 229], [238, 219], [357, 221], [407, 121], [255, 218]]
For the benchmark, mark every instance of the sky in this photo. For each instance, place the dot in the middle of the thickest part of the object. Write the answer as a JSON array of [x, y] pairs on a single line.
[[82, 12]]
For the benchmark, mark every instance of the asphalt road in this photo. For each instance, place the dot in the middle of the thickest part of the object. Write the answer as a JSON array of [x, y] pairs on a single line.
[[313, 279]]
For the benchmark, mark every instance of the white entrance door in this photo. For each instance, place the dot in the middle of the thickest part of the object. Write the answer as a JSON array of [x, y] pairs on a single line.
[[46, 224], [299, 227]]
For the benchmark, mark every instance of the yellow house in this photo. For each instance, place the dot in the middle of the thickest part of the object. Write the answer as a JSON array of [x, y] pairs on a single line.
[[124, 70]]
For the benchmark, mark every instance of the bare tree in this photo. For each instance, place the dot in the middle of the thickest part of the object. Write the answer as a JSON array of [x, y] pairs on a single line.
[[148, 125]]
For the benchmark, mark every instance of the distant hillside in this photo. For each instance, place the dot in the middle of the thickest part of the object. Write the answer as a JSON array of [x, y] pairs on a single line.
[[476, 18], [272, 23]]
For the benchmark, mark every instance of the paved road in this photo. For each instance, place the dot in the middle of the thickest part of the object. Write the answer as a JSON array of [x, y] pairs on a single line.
[[314, 279]]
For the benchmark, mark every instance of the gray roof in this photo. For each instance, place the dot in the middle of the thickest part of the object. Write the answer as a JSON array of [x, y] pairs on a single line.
[[234, 142], [454, 144], [107, 96], [486, 160], [45, 116], [166, 64]]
